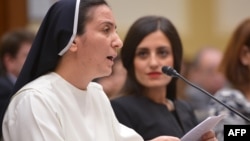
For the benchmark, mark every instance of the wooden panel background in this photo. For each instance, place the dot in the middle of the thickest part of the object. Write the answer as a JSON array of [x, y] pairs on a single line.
[[13, 14]]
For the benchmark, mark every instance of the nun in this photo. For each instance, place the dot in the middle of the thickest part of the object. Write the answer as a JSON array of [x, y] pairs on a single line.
[[54, 97]]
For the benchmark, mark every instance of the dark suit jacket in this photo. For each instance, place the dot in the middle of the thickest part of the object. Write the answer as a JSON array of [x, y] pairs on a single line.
[[150, 119], [6, 87]]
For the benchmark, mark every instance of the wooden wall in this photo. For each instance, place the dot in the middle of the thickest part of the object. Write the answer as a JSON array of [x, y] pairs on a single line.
[[13, 14]]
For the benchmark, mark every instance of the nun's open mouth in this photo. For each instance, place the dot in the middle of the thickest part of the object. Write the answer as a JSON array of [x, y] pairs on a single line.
[[111, 58]]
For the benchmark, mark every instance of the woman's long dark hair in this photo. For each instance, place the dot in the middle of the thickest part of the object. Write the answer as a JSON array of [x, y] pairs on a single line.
[[137, 32]]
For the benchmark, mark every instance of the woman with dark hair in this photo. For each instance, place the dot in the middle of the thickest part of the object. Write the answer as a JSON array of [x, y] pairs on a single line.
[[235, 66], [149, 104]]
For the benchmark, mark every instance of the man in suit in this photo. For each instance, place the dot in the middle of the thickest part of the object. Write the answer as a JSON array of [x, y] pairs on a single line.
[[14, 48], [204, 73]]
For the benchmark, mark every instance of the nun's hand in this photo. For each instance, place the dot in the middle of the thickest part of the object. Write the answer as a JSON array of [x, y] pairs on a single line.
[[209, 136], [165, 138]]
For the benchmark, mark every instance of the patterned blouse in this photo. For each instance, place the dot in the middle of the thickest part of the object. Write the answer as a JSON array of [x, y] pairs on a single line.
[[235, 99]]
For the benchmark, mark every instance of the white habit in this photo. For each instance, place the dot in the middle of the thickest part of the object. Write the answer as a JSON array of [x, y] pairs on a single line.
[[51, 109]]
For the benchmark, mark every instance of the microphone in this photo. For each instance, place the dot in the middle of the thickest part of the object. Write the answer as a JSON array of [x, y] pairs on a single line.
[[172, 72]]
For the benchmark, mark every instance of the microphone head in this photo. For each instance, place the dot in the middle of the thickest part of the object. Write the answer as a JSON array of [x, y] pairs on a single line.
[[169, 71]]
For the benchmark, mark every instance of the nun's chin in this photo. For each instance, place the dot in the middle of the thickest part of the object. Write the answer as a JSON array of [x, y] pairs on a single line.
[[104, 74]]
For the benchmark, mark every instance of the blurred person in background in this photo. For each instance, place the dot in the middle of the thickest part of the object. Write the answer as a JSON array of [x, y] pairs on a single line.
[[14, 48], [203, 72], [235, 66], [148, 101], [113, 83]]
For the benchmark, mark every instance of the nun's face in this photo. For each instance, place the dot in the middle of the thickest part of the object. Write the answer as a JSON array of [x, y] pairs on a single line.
[[98, 45]]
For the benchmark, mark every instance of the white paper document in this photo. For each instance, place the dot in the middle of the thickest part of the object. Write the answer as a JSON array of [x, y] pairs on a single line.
[[205, 126]]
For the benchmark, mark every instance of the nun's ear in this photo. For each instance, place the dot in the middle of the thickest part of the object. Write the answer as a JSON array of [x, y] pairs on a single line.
[[76, 40], [73, 46]]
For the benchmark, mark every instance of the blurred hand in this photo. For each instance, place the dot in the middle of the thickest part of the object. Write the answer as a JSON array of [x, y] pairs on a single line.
[[166, 138], [209, 136]]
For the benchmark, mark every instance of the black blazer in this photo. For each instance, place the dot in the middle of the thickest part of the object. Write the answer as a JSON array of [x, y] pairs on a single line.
[[151, 120], [6, 87]]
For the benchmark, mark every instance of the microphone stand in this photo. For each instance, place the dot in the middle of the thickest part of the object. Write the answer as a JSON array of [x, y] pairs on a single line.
[[202, 90]]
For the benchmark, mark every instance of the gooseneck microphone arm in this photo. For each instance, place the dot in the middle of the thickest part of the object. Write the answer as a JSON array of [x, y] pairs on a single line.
[[172, 72]]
